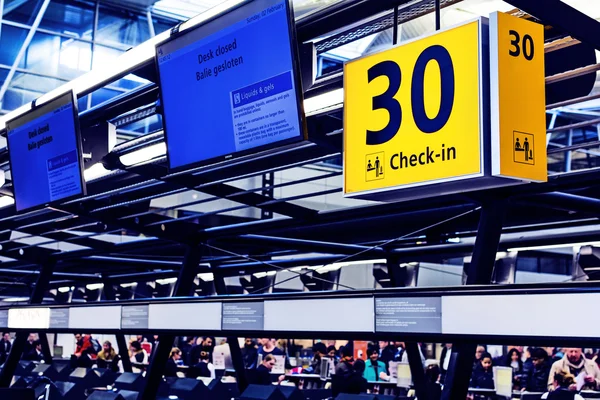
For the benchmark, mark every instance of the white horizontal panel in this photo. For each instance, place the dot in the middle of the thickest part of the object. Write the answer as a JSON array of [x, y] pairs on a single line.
[[325, 315], [487, 315], [185, 316], [107, 317], [27, 318]]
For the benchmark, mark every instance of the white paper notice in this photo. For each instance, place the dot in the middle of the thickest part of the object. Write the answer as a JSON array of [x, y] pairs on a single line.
[[279, 367], [503, 381], [219, 361], [403, 375], [580, 380]]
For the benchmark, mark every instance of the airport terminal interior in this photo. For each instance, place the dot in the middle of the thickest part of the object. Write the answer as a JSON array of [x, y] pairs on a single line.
[[299, 199]]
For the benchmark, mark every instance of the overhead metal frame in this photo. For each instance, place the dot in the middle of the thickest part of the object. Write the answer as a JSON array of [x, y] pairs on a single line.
[[122, 201]]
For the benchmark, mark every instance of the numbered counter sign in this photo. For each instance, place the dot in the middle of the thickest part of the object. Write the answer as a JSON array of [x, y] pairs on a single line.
[[517, 98], [413, 114]]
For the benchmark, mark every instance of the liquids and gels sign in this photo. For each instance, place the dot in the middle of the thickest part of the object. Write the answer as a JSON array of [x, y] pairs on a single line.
[[413, 114]]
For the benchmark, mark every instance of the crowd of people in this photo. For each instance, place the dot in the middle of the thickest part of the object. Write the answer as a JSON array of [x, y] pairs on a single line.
[[195, 353], [561, 372], [535, 369]]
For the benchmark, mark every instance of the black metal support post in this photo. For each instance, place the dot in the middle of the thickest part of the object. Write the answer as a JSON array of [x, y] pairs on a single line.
[[238, 363], [481, 267], [396, 272], [437, 15], [37, 295], [459, 372], [183, 287], [479, 271], [395, 30], [234, 346], [219, 281], [45, 348], [416, 368], [109, 293]]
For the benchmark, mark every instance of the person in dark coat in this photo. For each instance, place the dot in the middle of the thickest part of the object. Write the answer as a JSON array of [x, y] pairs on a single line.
[[35, 354], [186, 348], [267, 346], [332, 355], [5, 346], [194, 355], [433, 389], [29, 345], [445, 360], [563, 382], [478, 353], [250, 353], [387, 353], [262, 375], [319, 351], [355, 383], [535, 379], [171, 367], [483, 377], [514, 361], [344, 367]]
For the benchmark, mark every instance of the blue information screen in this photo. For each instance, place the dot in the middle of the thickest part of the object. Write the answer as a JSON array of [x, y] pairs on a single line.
[[229, 85], [45, 159]]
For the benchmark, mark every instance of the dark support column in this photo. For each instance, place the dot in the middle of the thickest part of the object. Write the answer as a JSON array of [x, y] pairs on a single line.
[[238, 363], [479, 271], [183, 288], [402, 275], [396, 272], [234, 346], [45, 348], [109, 293], [459, 371], [219, 282], [417, 370], [37, 295], [437, 15], [395, 30]]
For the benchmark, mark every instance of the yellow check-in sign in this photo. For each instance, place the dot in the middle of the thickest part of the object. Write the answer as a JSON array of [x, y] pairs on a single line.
[[517, 98], [412, 114]]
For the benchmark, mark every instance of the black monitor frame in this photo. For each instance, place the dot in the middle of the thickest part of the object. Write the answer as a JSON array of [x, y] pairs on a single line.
[[36, 112], [303, 136]]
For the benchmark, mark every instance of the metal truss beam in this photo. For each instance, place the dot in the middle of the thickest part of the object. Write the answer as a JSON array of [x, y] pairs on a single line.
[[307, 245]]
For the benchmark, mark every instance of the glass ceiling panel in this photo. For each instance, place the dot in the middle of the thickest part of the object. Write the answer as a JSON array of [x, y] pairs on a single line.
[[185, 9]]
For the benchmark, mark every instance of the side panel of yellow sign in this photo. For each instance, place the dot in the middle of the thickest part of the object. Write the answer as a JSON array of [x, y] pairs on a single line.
[[518, 106], [412, 114]]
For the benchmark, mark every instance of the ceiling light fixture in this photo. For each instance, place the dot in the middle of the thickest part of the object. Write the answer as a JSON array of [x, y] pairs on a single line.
[[144, 154]]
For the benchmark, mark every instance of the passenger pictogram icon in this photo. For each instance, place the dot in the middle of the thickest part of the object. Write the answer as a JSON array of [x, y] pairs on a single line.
[[374, 166], [523, 148]]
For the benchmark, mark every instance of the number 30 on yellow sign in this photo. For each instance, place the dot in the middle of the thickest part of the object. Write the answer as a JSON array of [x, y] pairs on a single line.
[[412, 113], [421, 113]]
